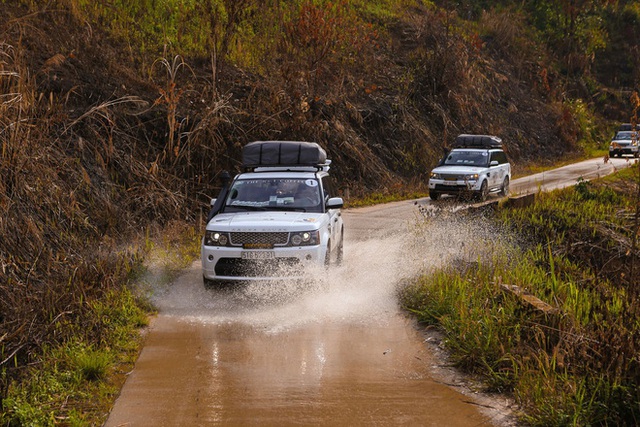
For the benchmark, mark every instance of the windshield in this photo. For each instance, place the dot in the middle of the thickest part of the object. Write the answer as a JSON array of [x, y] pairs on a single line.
[[467, 158], [295, 194], [622, 135]]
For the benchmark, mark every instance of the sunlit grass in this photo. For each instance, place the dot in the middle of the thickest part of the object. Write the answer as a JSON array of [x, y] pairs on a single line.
[[572, 366], [74, 384]]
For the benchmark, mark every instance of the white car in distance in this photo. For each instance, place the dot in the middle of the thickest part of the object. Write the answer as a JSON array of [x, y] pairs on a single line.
[[275, 219], [624, 142], [476, 166]]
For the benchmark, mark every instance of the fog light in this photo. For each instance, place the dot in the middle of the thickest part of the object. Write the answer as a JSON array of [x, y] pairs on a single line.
[[210, 258]]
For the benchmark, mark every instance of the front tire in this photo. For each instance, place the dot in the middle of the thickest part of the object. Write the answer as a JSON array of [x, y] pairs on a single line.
[[434, 195], [504, 190], [327, 256], [484, 191], [340, 251]]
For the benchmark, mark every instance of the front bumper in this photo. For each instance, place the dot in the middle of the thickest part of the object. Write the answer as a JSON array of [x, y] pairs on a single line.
[[453, 187], [227, 263], [626, 150]]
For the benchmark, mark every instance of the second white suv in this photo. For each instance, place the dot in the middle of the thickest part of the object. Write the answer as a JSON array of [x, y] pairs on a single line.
[[476, 166], [625, 142]]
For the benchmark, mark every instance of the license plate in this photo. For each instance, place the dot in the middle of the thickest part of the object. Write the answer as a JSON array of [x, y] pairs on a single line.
[[258, 255], [450, 183]]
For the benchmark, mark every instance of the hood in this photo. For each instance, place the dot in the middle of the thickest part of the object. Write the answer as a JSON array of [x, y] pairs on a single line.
[[622, 141], [266, 221], [459, 170]]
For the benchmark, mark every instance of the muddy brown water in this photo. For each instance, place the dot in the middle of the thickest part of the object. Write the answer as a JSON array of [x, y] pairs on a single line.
[[338, 352]]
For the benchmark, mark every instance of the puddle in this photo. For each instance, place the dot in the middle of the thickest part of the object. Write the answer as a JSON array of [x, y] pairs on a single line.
[[336, 352]]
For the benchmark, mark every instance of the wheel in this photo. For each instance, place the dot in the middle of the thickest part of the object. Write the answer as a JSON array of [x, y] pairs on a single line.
[[327, 256], [340, 251], [434, 195], [504, 190], [484, 191]]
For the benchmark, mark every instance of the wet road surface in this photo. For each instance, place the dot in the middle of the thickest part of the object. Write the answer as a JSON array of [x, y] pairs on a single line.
[[338, 353]]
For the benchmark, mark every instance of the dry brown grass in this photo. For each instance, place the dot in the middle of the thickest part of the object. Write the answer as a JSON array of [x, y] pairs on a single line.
[[73, 203], [89, 161]]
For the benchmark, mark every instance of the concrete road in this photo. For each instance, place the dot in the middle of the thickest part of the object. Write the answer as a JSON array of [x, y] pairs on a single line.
[[338, 353]]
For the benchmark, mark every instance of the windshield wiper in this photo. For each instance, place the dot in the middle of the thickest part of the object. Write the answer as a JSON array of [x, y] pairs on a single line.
[[285, 208], [248, 207]]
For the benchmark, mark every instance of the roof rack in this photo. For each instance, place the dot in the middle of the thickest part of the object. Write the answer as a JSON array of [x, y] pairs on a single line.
[[627, 127], [477, 141], [284, 154]]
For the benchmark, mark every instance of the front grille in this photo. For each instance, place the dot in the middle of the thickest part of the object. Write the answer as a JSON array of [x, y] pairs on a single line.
[[280, 238], [453, 177]]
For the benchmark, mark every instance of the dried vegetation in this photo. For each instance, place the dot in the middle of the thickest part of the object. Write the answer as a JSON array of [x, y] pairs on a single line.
[[116, 119]]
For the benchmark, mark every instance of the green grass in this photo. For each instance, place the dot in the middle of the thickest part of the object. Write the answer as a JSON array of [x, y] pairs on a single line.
[[75, 384], [246, 32]]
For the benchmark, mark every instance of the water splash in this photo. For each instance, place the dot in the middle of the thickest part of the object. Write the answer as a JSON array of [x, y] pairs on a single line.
[[363, 290]]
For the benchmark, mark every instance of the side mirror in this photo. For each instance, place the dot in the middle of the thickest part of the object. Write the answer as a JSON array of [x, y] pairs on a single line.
[[213, 201], [493, 163], [335, 203]]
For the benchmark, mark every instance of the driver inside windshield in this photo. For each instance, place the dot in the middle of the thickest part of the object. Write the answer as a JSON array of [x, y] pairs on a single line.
[[281, 194], [307, 195], [468, 158]]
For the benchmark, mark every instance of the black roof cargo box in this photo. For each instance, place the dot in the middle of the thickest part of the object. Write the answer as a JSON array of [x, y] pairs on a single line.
[[628, 127], [283, 153], [477, 141]]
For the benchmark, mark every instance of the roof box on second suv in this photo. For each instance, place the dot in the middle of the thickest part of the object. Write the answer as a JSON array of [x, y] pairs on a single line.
[[477, 141], [283, 153], [626, 127]]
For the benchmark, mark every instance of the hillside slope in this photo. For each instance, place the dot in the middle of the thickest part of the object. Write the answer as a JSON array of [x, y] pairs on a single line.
[[105, 138]]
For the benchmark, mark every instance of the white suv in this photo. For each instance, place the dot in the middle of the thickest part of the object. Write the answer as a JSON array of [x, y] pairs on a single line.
[[477, 165], [624, 142], [276, 218]]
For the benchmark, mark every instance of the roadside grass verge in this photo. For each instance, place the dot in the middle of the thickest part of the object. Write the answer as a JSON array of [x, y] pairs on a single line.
[[176, 248], [576, 364], [75, 382]]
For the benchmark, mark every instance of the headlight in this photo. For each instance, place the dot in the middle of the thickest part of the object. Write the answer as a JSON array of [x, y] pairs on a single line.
[[472, 177], [215, 238], [305, 238], [435, 175]]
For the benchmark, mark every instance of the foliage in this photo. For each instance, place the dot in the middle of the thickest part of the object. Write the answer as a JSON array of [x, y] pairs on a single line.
[[117, 117], [573, 366], [69, 385], [587, 132]]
